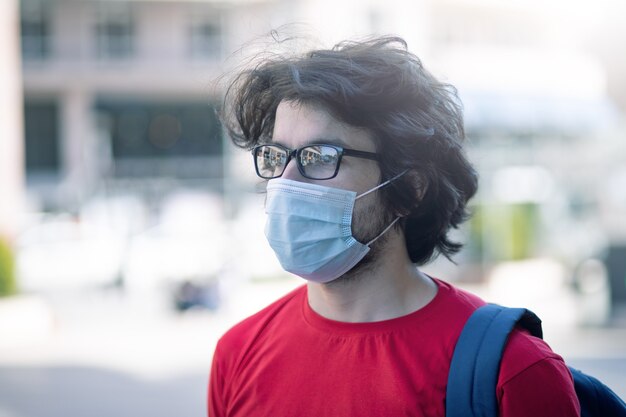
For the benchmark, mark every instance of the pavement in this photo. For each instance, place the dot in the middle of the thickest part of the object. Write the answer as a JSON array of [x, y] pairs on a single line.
[[104, 353]]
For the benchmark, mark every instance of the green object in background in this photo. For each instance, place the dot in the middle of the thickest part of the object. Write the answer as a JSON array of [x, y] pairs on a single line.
[[523, 223], [7, 270], [504, 232]]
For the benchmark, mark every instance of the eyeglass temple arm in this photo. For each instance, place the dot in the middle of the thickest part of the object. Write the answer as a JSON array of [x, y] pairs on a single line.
[[360, 154]]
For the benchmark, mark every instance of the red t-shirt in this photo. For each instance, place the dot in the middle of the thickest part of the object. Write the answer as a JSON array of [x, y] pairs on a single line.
[[288, 361]]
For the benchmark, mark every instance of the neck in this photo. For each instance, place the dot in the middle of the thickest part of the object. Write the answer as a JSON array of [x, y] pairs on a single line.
[[391, 287]]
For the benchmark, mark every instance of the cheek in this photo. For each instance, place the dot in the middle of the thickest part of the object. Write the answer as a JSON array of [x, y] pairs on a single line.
[[369, 217], [371, 174], [360, 176]]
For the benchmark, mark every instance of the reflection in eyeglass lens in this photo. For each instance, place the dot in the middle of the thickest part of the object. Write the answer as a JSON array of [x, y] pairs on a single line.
[[319, 162], [320, 155], [309, 156], [273, 157]]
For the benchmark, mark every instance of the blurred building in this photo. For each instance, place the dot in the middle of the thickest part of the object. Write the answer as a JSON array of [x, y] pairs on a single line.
[[120, 95]]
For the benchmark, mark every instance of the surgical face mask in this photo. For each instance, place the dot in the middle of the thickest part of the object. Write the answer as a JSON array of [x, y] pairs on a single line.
[[309, 228]]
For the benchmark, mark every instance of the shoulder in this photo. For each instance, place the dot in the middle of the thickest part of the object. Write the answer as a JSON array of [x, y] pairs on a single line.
[[453, 304], [244, 333], [446, 315], [524, 351], [456, 297], [534, 380]]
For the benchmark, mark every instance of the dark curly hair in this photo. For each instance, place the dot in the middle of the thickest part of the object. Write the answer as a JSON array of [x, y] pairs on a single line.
[[415, 120]]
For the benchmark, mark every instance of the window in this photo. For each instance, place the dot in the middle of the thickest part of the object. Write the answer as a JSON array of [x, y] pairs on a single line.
[[205, 35], [114, 30], [35, 29], [41, 131], [171, 139]]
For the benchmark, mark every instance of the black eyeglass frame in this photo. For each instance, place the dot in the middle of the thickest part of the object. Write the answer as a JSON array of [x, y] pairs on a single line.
[[296, 152]]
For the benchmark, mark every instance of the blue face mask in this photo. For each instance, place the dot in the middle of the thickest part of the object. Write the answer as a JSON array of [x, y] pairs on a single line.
[[309, 228]]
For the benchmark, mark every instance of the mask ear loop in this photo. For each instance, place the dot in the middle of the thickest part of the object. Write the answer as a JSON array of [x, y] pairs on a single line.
[[383, 232], [381, 185], [374, 189]]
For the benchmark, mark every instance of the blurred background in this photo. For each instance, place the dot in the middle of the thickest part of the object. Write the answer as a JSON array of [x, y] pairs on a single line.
[[131, 230]]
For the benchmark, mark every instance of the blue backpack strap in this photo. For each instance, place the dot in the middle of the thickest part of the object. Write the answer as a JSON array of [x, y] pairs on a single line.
[[475, 365]]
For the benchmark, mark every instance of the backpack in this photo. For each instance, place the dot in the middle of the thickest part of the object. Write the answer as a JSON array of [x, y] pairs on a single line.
[[473, 376]]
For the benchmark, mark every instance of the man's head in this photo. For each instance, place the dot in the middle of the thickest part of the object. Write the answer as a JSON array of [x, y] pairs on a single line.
[[403, 114]]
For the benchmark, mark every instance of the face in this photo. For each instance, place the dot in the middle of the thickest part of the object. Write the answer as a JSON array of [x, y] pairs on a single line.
[[297, 125]]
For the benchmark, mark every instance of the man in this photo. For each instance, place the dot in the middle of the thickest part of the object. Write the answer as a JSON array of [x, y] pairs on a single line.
[[366, 175]]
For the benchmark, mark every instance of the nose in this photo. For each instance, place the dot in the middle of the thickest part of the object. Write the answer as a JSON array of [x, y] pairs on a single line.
[[291, 171]]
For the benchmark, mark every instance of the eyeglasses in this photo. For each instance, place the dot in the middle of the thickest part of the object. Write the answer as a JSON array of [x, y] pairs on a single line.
[[315, 161]]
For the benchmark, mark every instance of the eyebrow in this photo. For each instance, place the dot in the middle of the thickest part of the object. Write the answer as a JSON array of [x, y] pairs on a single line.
[[331, 141], [318, 140]]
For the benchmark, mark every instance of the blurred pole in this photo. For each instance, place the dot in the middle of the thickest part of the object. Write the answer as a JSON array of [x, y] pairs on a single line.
[[76, 120], [11, 117]]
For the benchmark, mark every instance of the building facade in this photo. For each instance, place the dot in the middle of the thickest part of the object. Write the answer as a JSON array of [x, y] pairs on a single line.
[[122, 94]]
